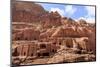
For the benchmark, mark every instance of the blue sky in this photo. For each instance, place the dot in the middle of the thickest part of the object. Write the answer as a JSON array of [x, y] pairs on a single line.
[[74, 11]]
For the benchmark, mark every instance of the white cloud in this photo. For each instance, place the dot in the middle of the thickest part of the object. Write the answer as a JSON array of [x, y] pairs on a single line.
[[91, 20], [90, 10], [70, 10], [88, 19], [60, 11]]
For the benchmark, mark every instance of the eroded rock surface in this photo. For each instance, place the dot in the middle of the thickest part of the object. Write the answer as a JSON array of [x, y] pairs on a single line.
[[42, 37]]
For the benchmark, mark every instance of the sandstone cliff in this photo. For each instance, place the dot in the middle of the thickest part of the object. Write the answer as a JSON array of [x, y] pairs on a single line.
[[61, 38]]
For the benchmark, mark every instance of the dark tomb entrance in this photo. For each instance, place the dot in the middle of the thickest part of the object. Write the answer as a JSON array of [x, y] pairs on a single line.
[[45, 54]]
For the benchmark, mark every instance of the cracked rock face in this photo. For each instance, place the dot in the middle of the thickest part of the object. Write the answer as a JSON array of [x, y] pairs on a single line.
[[42, 37]]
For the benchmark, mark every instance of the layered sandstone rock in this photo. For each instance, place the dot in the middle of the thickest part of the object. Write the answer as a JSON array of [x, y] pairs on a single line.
[[26, 11], [37, 32], [71, 32], [65, 57], [51, 19], [48, 33], [26, 34]]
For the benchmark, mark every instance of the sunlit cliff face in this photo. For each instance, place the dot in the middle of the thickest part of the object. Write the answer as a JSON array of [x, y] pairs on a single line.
[[38, 35]]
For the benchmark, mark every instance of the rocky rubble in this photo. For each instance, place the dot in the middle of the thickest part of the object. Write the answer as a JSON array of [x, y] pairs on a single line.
[[70, 56]]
